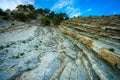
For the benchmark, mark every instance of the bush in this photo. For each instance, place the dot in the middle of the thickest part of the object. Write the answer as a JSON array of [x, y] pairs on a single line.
[[1, 47], [45, 21], [58, 18], [111, 49], [20, 16], [31, 16], [56, 21], [2, 13], [6, 17], [12, 23]]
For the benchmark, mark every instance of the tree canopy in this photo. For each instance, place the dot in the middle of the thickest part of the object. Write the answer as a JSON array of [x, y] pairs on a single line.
[[25, 12], [28, 7]]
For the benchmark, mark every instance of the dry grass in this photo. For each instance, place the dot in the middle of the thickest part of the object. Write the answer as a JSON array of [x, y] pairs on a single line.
[[94, 24], [109, 56], [88, 42]]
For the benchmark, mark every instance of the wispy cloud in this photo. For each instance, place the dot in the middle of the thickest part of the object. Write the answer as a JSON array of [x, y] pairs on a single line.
[[89, 9], [73, 11], [86, 11], [67, 6], [11, 4], [60, 4]]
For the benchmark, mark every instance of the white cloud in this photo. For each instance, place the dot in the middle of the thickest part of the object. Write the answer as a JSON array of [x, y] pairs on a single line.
[[59, 6], [114, 12], [86, 11], [67, 5], [11, 4], [73, 11], [61, 3], [76, 11], [89, 9]]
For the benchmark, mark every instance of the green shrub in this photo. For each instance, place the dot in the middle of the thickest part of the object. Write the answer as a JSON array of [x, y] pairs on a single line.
[[58, 18], [7, 45], [16, 56], [23, 41], [2, 13], [32, 14], [111, 49], [45, 21], [1, 47], [96, 38], [20, 16], [6, 17], [12, 23], [21, 54], [56, 21]]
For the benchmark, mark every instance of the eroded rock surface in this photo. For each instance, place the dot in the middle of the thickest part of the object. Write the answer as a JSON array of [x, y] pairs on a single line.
[[33, 52]]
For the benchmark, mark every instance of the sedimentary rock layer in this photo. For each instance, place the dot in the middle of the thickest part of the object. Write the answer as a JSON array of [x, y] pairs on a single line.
[[33, 52]]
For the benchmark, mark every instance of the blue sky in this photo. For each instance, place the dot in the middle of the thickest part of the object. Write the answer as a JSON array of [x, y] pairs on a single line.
[[71, 7]]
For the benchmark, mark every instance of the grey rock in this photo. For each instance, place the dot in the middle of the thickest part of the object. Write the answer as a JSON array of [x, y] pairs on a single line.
[[46, 53]]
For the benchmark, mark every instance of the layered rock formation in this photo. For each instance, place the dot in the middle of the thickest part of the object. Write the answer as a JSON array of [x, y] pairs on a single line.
[[67, 52]]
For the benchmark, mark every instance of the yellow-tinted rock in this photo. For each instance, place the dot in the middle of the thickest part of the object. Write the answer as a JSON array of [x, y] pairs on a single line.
[[88, 42], [109, 56]]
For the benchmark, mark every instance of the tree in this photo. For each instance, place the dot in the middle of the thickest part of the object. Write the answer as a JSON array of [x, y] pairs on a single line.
[[20, 16], [20, 7], [65, 16], [7, 10], [40, 10], [1, 10], [59, 18], [6, 17], [2, 13], [45, 21], [29, 12], [46, 12], [32, 14], [51, 15], [30, 6], [25, 8]]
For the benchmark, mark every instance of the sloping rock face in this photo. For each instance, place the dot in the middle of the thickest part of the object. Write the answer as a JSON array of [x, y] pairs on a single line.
[[33, 52]]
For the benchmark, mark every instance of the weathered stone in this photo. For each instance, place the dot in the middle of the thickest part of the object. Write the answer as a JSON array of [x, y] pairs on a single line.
[[30, 52]]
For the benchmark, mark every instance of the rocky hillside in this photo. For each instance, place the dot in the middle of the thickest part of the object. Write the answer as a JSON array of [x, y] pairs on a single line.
[[75, 50]]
